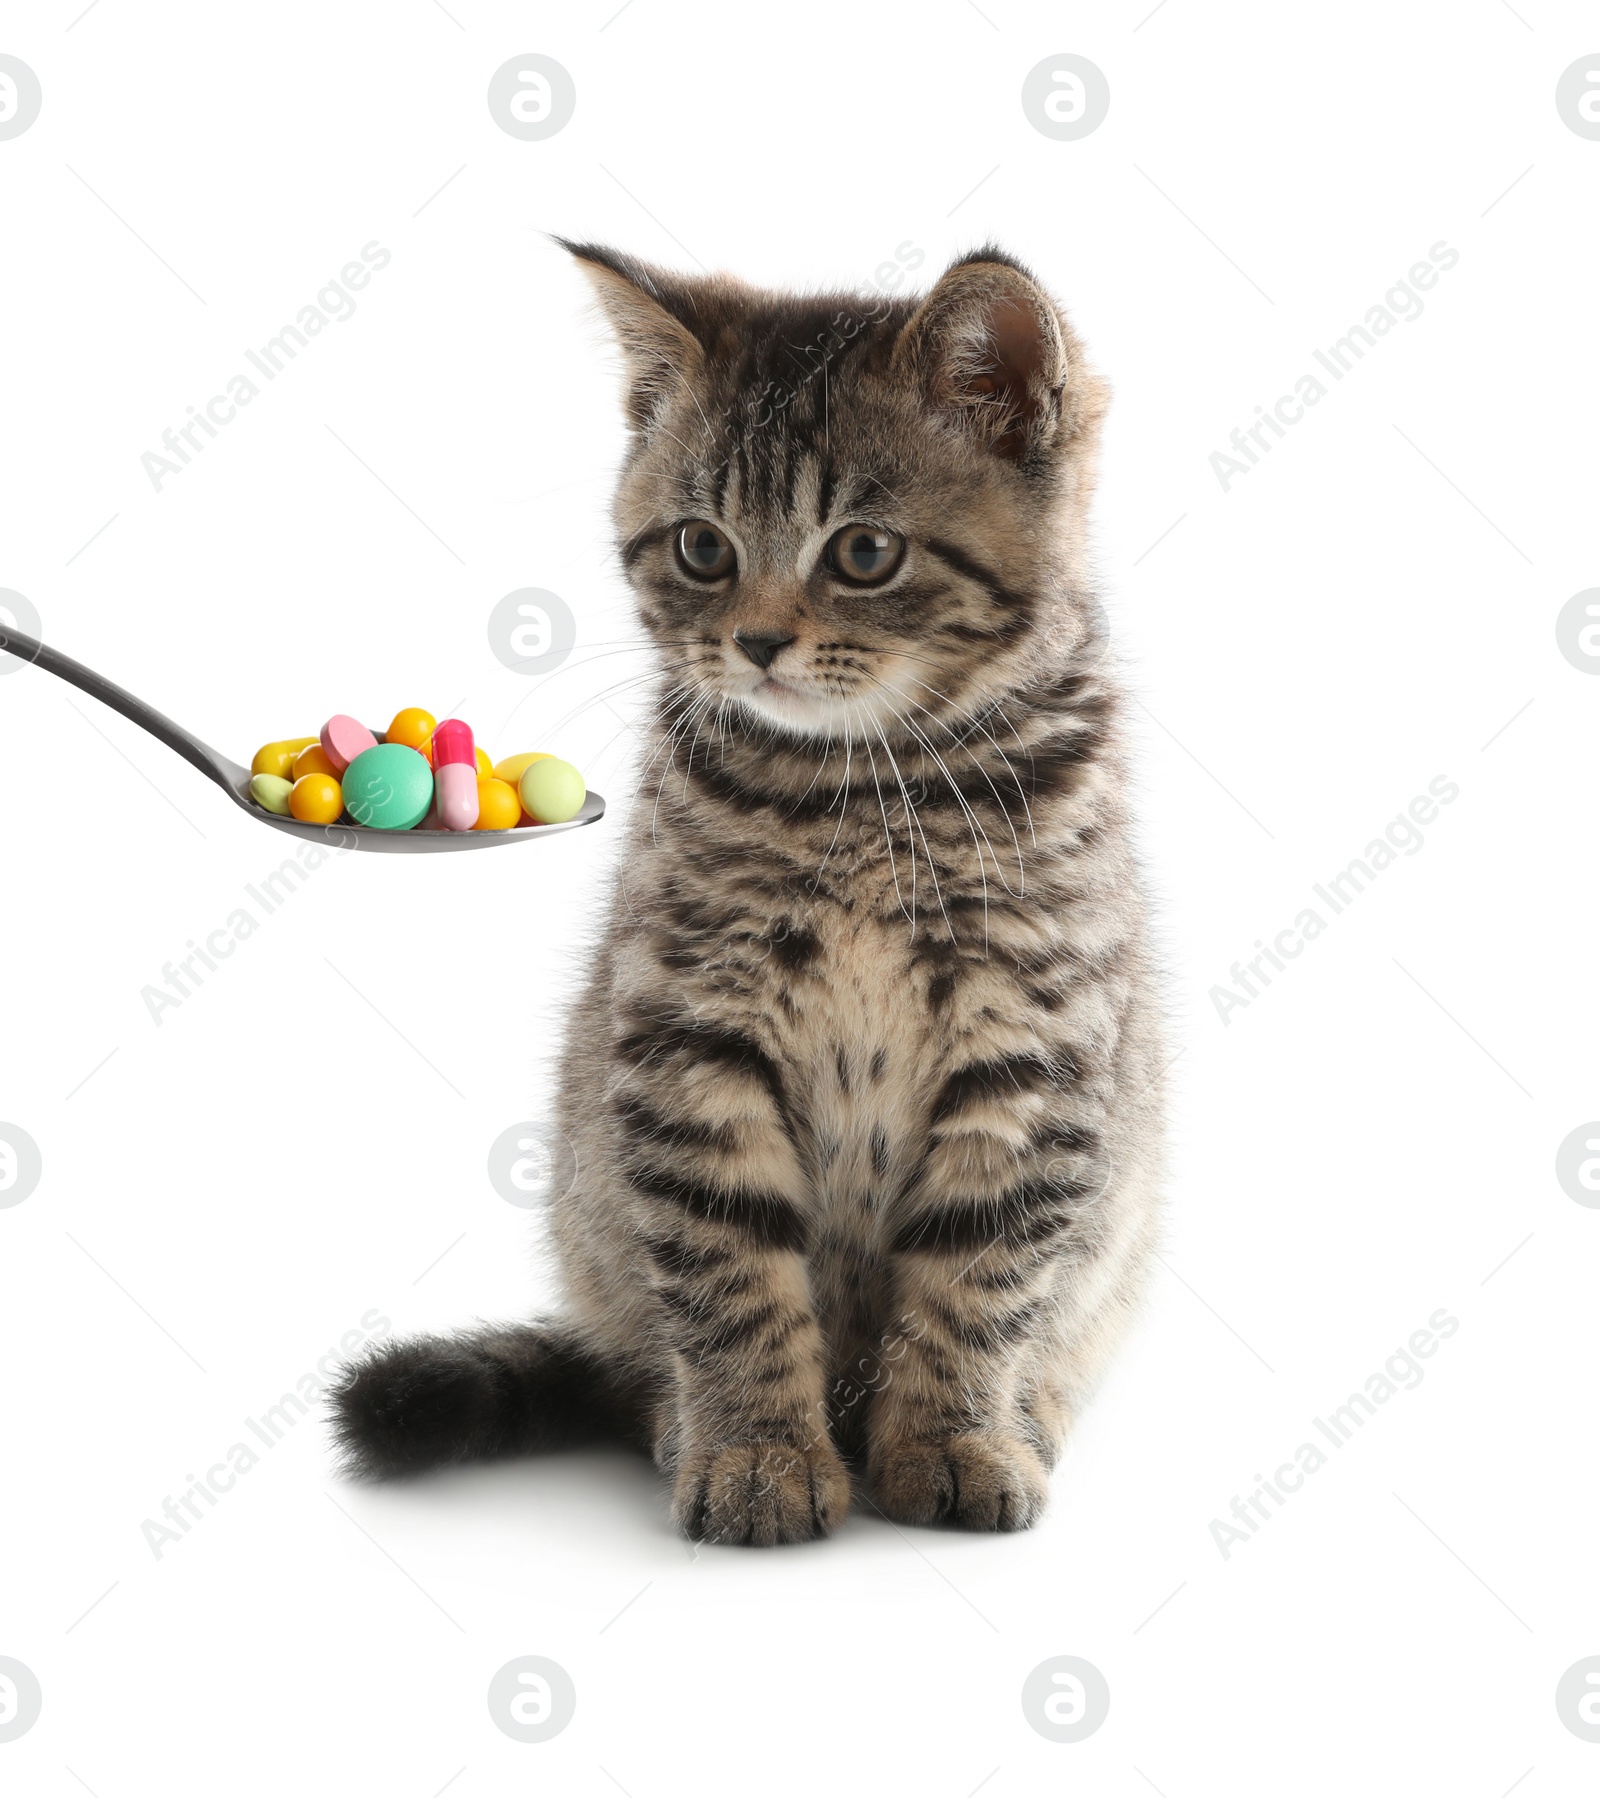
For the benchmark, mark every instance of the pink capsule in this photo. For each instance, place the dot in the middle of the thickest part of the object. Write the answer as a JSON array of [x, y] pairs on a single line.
[[455, 775], [343, 739]]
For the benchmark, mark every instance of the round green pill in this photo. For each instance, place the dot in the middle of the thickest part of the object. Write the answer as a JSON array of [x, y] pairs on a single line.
[[552, 791], [388, 787]]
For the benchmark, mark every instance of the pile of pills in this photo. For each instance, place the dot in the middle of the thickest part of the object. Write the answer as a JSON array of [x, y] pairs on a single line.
[[421, 774]]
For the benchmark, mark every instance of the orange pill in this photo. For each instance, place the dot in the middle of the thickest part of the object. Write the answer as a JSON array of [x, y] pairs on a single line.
[[313, 759], [411, 726], [316, 799], [499, 806]]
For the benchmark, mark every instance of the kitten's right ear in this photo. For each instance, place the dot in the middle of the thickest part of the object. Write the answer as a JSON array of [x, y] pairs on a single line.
[[986, 348], [646, 308]]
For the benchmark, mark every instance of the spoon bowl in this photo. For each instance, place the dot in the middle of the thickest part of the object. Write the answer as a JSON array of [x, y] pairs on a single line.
[[234, 778]]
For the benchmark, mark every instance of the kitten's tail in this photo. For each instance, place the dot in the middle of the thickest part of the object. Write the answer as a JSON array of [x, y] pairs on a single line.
[[434, 1401]]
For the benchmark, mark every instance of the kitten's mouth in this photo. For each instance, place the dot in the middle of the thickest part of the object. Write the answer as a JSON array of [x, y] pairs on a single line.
[[807, 702], [792, 705]]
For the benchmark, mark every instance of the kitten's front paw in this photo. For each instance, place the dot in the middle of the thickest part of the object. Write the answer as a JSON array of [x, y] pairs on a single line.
[[981, 1480], [761, 1492]]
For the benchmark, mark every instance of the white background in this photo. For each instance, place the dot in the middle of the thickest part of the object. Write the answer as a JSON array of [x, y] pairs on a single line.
[[303, 1138]]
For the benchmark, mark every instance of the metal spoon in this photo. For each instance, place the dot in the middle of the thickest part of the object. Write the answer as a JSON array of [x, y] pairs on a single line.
[[235, 780]]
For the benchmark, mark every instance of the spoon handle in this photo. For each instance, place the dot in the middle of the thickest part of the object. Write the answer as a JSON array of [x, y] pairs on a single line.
[[41, 655]]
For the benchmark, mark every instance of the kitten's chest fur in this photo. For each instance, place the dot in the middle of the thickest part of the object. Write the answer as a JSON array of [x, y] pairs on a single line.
[[863, 987], [861, 1042]]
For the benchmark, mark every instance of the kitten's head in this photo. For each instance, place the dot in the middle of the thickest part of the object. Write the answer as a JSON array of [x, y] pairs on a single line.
[[843, 512]]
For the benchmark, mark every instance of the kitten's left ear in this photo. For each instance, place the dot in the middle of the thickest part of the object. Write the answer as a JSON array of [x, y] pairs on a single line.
[[651, 312], [986, 346]]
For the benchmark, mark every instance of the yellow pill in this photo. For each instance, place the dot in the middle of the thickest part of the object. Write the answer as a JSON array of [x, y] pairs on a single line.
[[313, 759], [499, 805], [316, 799], [512, 767], [481, 757], [278, 758], [411, 726]]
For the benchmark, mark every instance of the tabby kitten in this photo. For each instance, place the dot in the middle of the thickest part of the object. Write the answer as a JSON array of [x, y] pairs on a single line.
[[865, 1088]]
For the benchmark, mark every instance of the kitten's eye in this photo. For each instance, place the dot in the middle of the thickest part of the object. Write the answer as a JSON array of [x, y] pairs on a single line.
[[703, 551], [864, 555]]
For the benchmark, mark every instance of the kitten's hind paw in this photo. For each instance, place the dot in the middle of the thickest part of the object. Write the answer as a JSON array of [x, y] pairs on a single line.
[[978, 1480], [761, 1493]]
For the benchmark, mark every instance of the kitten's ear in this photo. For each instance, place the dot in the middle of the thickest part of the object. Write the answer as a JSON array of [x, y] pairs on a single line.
[[646, 308], [986, 346]]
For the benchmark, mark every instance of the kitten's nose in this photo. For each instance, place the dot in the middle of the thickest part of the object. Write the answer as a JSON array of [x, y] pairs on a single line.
[[762, 646]]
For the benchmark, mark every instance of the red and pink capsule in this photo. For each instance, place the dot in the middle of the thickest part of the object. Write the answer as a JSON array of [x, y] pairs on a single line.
[[455, 775]]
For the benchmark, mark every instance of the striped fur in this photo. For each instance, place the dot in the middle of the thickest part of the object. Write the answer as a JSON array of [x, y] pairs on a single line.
[[867, 1079]]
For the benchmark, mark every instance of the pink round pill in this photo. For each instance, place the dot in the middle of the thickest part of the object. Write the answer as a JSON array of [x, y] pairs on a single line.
[[343, 739]]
